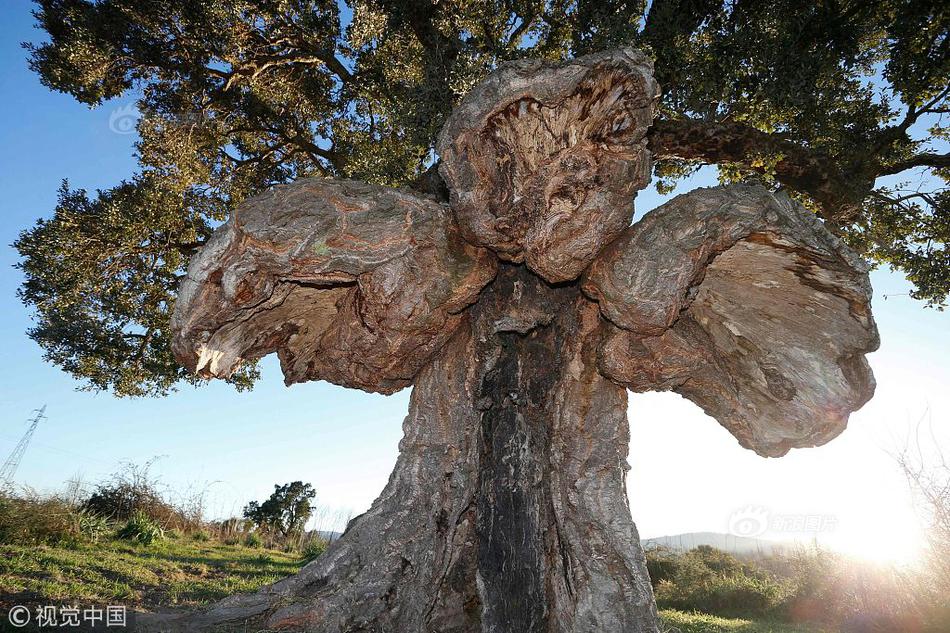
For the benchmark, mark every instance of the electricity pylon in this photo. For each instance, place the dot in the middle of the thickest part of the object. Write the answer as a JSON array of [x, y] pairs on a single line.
[[13, 461]]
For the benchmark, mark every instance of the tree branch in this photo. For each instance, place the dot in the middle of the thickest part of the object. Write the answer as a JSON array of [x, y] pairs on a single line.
[[838, 194], [924, 159]]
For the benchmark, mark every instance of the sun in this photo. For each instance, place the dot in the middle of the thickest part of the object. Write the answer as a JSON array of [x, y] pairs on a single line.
[[892, 540]]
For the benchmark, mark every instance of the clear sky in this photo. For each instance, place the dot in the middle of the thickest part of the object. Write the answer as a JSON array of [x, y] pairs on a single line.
[[688, 474]]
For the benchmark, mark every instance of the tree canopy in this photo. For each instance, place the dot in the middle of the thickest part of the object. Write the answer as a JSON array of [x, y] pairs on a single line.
[[821, 99], [286, 511]]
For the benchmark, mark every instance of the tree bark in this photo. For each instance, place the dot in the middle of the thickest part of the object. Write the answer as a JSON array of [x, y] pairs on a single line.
[[507, 508], [507, 511]]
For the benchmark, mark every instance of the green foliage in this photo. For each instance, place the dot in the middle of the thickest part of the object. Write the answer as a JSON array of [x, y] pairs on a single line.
[[253, 539], [142, 529], [711, 581], [805, 585], [201, 536], [92, 526], [235, 96], [120, 500], [100, 273], [314, 547], [682, 622], [662, 565], [286, 511]]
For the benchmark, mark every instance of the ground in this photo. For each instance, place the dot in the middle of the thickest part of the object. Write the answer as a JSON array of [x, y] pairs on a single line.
[[703, 623], [181, 572], [175, 572]]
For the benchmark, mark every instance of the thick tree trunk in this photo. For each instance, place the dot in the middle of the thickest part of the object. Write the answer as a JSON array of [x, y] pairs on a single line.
[[557, 550], [507, 509]]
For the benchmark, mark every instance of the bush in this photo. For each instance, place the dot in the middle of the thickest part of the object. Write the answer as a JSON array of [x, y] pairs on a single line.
[[715, 582], [92, 526], [661, 565], [253, 539], [34, 520], [314, 547], [141, 528], [201, 536], [130, 491]]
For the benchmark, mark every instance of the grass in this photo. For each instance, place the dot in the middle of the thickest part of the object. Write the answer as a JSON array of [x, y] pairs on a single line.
[[181, 571], [703, 623], [176, 571]]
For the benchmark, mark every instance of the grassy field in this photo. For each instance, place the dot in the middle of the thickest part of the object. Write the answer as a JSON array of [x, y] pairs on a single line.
[[177, 571], [184, 572]]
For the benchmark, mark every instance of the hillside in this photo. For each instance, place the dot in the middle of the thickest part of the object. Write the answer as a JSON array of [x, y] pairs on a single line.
[[741, 545]]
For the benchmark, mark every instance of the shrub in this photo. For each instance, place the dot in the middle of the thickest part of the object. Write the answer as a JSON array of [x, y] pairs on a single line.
[[715, 582], [661, 565], [314, 547], [129, 491], [201, 536], [141, 528], [92, 526], [253, 539], [34, 520]]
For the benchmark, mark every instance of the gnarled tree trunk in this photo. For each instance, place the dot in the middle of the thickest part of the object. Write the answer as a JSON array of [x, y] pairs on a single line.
[[507, 509], [521, 312]]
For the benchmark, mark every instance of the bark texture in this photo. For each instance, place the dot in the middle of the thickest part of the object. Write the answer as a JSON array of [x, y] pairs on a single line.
[[744, 303], [507, 510], [348, 282], [543, 160]]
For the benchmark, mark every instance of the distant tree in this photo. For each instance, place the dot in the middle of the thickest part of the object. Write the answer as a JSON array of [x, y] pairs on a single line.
[[819, 98], [286, 512]]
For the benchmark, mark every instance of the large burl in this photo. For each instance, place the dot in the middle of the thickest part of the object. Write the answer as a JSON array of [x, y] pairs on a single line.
[[347, 282], [522, 312]]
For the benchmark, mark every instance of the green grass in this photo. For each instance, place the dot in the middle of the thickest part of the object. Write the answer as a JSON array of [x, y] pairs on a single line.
[[180, 571], [170, 572], [702, 623]]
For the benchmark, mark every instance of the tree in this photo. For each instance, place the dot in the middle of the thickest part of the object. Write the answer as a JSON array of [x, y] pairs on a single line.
[[819, 99], [521, 313], [286, 511]]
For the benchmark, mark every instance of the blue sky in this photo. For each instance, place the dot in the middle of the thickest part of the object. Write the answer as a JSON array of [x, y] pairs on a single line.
[[688, 474]]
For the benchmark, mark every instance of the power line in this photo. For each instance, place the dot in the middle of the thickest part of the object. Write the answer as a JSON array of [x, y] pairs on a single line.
[[13, 461]]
